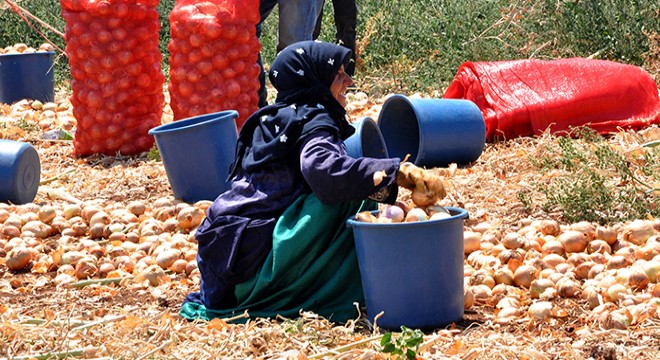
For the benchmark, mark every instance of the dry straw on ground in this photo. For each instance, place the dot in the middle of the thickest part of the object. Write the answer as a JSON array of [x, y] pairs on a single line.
[[131, 319]]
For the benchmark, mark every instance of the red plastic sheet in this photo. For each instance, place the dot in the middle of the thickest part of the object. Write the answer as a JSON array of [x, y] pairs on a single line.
[[527, 97]]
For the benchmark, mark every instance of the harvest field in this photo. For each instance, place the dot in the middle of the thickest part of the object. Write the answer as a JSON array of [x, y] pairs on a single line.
[[562, 243], [602, 298]]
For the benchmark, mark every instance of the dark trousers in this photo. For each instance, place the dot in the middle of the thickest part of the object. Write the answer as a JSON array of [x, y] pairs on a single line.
[[346, 23]]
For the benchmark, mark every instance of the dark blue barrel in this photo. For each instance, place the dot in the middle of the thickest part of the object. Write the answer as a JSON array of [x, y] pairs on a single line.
[[435, 132], [27, 76], [367, 141], [20, 172]]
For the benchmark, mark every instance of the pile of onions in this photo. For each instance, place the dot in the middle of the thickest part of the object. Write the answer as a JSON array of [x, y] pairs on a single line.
[[403, 212], [616, 269], [96, 240], [22, 48]]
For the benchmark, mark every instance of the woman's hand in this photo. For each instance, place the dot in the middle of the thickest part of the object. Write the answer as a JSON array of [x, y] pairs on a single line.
[[426, 187]]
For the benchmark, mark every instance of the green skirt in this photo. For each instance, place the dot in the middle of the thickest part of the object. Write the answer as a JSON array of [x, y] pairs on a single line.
[[312, 267]]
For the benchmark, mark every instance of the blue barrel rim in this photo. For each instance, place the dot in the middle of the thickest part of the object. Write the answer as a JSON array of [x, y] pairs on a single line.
[[406, 100], [191, 122], [30, 53], [357, 137], [460, 214]]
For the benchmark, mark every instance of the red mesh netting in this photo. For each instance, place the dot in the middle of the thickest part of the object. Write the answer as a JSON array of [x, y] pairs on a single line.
[[117, 85], [213, 57]]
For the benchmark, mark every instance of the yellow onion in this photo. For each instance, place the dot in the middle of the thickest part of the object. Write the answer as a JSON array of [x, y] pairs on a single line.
[[471, 241], [468, 298], [553, 247], [552, 260], [615, 291], [136, 207], [416, 214], [638, 231], [86, 269], [190, 217], [524, 275], [482, 277], [511, 254], [585, 227], [482, 294], [595, 270], [606, 233], [179, 266], [513, 241], [549, 227], [599, 246], [538, 286], [647, 251], [582, 271], [166, 258], [656, 291], [18, 258], [540, 310], [568, 288], [652, 270], [503, 275], [618, 262], [617, 319], [573, 241]]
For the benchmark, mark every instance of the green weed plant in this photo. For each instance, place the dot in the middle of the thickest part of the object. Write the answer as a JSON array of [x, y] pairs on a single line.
[[601, 183]]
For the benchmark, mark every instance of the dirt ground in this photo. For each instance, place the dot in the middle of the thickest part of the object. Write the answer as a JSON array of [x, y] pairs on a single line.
[[43, 312]]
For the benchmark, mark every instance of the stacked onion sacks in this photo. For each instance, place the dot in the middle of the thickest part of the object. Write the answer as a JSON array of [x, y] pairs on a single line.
[[117, 83], [213, 58]]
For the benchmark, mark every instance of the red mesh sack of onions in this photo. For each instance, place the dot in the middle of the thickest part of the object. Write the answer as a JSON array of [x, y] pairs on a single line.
[[117, 82], [213, 57]]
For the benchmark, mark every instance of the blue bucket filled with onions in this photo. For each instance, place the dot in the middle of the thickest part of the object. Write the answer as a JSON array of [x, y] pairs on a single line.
[[412, 271]]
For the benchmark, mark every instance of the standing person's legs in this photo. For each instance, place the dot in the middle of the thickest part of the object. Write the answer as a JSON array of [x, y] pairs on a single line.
[[346, 22], [265, 8], [297, 20], [319, 23]]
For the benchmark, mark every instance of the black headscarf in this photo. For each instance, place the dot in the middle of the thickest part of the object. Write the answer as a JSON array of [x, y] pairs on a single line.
[[302, 74]]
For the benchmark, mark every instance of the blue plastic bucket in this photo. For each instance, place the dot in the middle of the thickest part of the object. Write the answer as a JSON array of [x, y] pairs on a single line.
[[197, 153], [367, 141], [413, 272], [435, 132], [27, 76], [20, 172]]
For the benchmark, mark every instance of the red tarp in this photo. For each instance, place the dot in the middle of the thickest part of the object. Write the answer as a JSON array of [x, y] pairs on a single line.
[[526, 97]]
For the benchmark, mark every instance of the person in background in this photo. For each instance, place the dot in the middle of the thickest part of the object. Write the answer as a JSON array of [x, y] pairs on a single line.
[[346, 23], [277, 242], [297, 19]]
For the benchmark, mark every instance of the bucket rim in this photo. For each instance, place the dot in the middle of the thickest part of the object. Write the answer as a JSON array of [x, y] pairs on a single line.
[[460, 214], [190, 122], [359, 129], [398, 98], [31, 53]]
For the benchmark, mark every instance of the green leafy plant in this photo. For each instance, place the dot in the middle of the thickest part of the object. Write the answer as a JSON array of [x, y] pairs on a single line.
[[404, 345], [600, 183], [154, 154]]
